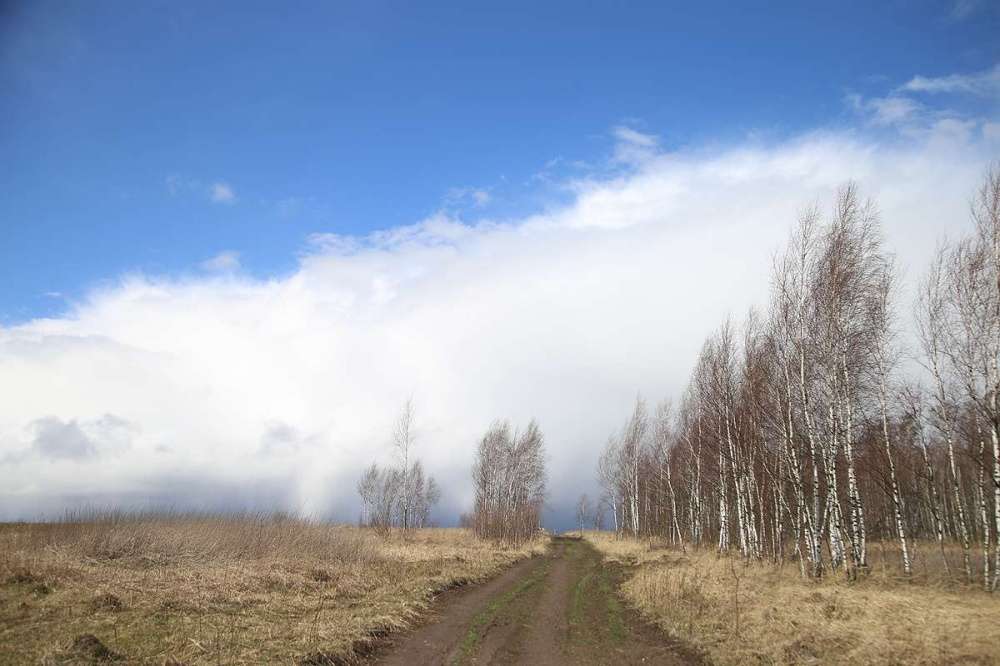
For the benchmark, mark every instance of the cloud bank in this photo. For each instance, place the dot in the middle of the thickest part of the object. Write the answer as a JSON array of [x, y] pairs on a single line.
[[222, 390]]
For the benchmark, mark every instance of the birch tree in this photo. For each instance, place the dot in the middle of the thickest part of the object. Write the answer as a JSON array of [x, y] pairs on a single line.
[[802, 426], [400, 495], [582, 511], [510, 479]]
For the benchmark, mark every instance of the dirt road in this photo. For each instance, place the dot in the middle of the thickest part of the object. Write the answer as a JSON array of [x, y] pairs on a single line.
[[558, 609]]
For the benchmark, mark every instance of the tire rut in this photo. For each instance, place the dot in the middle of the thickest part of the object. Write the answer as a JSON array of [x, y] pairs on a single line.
[[440, 639], [562, 608]]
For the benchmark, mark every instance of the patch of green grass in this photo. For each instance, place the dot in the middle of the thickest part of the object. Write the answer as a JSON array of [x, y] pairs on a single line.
[[616, 625], [595, 590], [576, 610], [488, 614]]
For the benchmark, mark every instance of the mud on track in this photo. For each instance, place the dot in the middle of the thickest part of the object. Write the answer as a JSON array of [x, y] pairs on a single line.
[[561, 608]]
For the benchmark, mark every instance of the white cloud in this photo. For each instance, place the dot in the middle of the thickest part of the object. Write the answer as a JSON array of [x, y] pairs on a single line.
[[277, 391], [634, 147], [218, 192], [982, 84], [900, 110], [224, 262], [474, 197], [222, 193], [886, 111]]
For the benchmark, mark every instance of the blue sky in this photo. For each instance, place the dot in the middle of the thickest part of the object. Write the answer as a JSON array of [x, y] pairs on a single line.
[[149, 137]]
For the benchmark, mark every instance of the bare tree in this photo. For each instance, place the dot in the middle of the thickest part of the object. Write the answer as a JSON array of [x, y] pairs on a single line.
[[797, 428], [398, 496], [402, 441], [582, 511], [934, 322], [510, 477], [664, 442], [633, 442], [385, 499], [881, 333], [608, 475], [368, 486]]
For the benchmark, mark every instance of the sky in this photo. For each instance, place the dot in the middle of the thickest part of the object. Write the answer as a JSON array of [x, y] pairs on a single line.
[[236, 237]]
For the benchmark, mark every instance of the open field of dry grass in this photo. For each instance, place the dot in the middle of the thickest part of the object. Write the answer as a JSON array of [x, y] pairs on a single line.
[[200, 589], [761, 613]]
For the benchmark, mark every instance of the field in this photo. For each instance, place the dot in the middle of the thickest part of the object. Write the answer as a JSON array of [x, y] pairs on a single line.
[[220, 589], [171, 589], [761, 613]]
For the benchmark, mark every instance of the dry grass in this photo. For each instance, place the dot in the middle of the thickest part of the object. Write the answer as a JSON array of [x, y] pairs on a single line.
[[237, 589], [777, 617]]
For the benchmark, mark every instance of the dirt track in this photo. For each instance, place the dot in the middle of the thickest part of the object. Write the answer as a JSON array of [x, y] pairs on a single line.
[[558, 609]]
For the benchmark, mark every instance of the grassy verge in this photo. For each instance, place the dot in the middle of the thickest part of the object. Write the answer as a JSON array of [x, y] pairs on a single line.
[[595, 611], [579, 594], [762, 613], [616, 627], [199, 589]]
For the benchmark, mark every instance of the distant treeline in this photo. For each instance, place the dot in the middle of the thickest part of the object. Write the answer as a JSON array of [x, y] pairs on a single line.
[[509, 476]]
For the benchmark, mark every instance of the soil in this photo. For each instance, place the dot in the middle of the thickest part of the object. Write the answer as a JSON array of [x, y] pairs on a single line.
[[562, 608]]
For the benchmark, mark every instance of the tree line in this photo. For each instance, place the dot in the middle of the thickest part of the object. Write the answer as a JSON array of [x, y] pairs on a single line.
[[811, 429]]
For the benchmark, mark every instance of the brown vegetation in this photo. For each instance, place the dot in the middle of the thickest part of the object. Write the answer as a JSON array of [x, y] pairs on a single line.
[[233, 589], [738, 611]]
